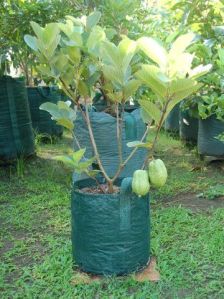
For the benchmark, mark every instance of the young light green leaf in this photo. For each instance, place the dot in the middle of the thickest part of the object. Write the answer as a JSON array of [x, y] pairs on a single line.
[[153, 50], [199, 71], [181, 44], [150, 75], [78, 155]]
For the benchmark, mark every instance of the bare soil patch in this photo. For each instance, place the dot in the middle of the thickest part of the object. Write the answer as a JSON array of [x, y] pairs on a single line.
[[194, 203]]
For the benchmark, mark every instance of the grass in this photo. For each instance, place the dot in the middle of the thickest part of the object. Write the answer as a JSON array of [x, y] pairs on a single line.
[[35, 246]]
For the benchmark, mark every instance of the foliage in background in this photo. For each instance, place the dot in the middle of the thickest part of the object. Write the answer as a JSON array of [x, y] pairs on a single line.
[[16, 16], [205, 18]]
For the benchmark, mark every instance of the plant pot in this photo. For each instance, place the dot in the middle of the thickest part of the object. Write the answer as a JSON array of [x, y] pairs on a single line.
[[105, 131], [209, 129], [16, 135], [110, 232], [172, 120], [188, 127], [41, 120]]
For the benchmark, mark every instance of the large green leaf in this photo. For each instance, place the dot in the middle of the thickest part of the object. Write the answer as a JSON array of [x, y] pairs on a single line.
[[114, 75], [37, 29], [182, 88], [127, 49], [153, 50], [93, 19], [131, 87], [96, 36], [50, 34], [110, 54], [151, 109], [181, 44], [152, 77], [61, 113]]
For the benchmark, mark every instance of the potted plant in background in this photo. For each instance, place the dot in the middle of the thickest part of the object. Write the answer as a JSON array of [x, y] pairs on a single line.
[[110, 215], [16, 23], [188, 121], [16, 136]]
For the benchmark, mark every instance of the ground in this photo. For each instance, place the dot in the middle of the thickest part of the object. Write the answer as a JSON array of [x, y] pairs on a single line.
[[187, 230]]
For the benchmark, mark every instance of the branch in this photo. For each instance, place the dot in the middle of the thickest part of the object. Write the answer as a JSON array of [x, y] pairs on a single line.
[[157, 134], [94, 146], [130, 156], [119, 134]]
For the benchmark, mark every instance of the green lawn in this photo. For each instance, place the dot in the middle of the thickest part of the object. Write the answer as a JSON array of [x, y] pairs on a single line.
[[187, 232]]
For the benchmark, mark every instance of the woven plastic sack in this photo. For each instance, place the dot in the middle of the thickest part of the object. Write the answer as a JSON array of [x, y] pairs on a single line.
[[105, 132], [188, 127], [41, 120], [208, 144], [172, 120], [110, 232], [16, 135]]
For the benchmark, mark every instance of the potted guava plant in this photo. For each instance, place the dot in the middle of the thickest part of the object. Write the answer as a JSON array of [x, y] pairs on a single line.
[[110, 214]]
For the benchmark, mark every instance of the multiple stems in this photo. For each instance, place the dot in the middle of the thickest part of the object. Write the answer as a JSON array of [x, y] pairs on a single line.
[[122, 164]]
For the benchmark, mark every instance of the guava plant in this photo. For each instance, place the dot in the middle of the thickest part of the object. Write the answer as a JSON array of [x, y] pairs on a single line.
[[78, 54]]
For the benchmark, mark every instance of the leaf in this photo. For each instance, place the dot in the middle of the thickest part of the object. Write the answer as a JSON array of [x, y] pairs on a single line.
[[77, 156], [31, 41], [114, 75], [92, 19], [110, 54], [66, 123], [83, 88], [183, 88], [153, 50], [181, 44], [221, 55], [67, 160], [50, 34], [150, 75], [38, 30], [96, 36], [127, 49], [145, 116], [199, 71], [61, 112], [131, 87], [139, 144], [151, 110]]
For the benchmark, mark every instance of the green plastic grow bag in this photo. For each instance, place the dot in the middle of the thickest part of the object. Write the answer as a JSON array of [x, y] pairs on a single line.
[[16, 136], [188, 127], [172, 120], [105, 131], [41, 120], [110, 232], [208, 144]]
